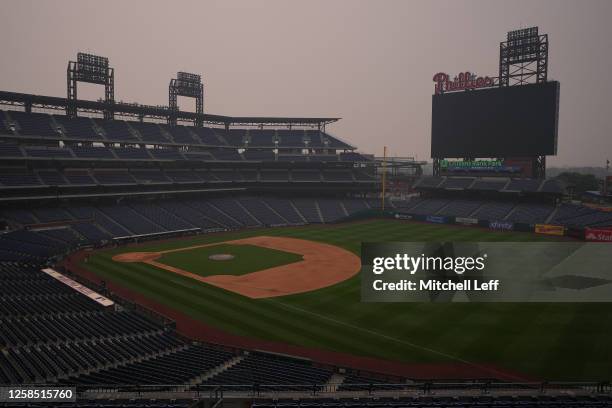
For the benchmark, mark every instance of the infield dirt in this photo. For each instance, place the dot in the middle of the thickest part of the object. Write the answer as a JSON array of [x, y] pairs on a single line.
[[323, 265]]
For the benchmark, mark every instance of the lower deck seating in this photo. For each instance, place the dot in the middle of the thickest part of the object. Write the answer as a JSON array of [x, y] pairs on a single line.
[[262, 212], [258, 368], [192, 215], [494, 210], [50, 330], [53, 334], [308, 209], [530, 213], [577, 215], [177, 367], [331, 209], [235, 210], [41, 232], [285, 209], [460, 208], [430, 206]]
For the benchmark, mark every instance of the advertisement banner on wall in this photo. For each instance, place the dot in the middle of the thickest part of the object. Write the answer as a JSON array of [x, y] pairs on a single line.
[[598, 235], [548, 229], [436, 219], [466, 221], [501, 225]]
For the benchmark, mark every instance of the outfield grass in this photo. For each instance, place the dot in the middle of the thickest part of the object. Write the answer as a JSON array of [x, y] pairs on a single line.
[[549, 341], [247, 258]]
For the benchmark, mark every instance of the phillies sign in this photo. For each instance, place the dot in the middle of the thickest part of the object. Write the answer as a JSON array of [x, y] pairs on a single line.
[[463, 81]]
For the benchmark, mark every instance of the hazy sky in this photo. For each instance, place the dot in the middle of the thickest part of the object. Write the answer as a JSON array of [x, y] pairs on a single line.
[[369, 62]]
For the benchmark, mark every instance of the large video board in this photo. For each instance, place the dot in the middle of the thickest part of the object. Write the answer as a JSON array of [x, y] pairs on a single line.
[[510, 121]]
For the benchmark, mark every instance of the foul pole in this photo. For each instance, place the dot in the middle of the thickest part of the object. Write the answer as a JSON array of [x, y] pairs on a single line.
[[384, 176]]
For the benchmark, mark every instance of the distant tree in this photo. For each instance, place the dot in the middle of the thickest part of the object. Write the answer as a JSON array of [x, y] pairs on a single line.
[[598, 171], [581, 182]]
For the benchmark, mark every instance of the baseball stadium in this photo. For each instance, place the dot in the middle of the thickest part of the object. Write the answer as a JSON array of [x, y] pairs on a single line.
[[156, 257]]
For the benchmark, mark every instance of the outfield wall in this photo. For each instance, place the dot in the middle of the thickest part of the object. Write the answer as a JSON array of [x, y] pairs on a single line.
[[497, 225], [590, 234]]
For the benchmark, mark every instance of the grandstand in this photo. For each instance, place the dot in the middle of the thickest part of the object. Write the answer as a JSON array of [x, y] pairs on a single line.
[[66, 163]]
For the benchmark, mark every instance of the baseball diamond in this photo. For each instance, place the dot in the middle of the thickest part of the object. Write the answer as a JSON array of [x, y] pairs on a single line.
[[322, 265]]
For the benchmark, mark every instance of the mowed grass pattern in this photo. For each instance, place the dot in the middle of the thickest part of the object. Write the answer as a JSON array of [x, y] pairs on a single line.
[[247, 258], [547, 341]]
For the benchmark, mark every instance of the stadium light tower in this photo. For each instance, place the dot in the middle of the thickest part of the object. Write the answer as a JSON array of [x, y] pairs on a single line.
[[523, 57], [189, 85], [93, 69]]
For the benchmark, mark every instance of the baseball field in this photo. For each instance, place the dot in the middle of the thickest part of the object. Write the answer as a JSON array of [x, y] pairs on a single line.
[[299, 285]]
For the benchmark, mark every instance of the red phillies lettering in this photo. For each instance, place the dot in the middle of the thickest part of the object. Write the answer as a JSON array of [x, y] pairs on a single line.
[[463, 81]]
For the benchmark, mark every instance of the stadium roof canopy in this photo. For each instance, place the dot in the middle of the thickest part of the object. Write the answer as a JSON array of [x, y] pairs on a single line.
[[29, 101]]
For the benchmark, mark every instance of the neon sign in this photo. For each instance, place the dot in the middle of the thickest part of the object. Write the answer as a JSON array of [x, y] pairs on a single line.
[[463, 81]]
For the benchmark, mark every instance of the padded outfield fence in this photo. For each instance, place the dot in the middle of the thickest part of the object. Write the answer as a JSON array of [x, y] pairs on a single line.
[[582, 233]]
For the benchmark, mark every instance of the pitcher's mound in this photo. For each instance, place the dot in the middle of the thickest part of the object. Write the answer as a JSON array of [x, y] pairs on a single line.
[[221, 257]]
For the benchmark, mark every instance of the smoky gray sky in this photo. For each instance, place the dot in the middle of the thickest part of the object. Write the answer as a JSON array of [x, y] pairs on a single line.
[[369, 62]]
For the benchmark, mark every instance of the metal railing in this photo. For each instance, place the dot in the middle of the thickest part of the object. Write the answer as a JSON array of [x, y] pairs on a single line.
[[409, 389]]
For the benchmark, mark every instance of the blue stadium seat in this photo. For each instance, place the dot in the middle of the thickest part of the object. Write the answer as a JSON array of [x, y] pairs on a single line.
[[78, 128], [34, 124]]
